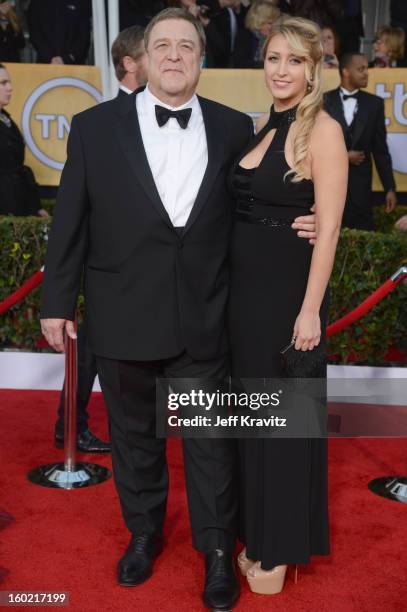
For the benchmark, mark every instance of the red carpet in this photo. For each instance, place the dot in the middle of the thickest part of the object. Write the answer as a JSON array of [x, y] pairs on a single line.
[[70, 540]]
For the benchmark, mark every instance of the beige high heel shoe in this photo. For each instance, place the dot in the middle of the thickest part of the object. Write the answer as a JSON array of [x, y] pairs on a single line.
[[244, 562], [268, 582]]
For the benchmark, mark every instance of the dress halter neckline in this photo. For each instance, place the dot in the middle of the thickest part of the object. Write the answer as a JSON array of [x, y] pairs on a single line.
[[282, 118]]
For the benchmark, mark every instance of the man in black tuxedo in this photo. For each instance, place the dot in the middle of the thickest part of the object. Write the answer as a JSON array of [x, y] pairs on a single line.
[[227, 21], [60, 30], [143, 208], [130, 62], [361, 116]]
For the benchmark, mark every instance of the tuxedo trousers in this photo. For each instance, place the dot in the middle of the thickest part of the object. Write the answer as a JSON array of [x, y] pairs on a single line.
[[139, 456]]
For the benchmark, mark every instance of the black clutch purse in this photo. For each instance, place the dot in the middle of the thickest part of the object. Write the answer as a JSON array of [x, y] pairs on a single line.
[[303, 364]]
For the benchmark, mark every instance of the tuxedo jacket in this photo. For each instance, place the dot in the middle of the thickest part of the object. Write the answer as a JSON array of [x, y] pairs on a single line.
[[60, 27], [150, 292], [218, 34], [368, 134]]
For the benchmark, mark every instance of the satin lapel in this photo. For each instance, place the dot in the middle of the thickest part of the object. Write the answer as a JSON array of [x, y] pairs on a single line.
[[360, 119], [129, 136], [215, 135]]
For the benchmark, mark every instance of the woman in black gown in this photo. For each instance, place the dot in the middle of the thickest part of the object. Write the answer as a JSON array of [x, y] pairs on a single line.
[[279, 292]]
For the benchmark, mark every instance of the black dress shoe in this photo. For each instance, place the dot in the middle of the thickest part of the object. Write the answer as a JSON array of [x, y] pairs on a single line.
[[136, 565], [222, 587], [86, 442]]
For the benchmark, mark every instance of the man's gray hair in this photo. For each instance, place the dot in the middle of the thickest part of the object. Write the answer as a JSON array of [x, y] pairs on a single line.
[[177, 13]]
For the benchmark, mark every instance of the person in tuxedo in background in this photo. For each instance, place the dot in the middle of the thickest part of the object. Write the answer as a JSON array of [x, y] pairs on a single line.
[[143, 207], [229, 22], [223, 21], [361, 116], [60, 30], [138, 12], [130, 62], [130, 59]]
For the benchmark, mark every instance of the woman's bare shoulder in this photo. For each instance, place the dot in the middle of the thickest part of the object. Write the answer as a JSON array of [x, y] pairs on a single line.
[[325, 124], [261, 121]]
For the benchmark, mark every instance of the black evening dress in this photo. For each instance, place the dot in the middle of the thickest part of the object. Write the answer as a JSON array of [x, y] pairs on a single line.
[[284, 510]]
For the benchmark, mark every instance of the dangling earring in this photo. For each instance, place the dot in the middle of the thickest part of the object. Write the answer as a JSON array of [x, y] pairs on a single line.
[[310, 86]]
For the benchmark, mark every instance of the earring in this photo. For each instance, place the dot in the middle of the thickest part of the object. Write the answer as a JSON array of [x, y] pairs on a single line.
[[310, 86]]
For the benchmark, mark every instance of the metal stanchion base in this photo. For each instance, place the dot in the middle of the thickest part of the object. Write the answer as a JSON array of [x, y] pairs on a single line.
[[55, 475], [390, 487]]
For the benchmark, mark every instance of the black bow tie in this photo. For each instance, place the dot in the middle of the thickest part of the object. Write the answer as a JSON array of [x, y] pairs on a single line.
[[182, 116], [347, 96]]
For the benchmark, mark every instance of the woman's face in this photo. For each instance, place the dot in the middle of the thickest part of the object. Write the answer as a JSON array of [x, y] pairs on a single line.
[[380, 46], [5, 87], [284, 71], [265, 28], [328, 41]]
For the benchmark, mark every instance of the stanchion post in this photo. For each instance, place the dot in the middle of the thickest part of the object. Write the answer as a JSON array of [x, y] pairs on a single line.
[[70, 425], [70, 474]]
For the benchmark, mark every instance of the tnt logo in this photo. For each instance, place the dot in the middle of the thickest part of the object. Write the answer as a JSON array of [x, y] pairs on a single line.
[[47, 113], [396, 135]]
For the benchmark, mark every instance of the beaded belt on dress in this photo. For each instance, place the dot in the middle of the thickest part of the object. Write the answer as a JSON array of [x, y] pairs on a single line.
[[244, 213]]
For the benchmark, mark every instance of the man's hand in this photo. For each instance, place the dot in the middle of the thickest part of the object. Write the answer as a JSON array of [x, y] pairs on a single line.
[[356, 157], [53, 330], [306, 225], [391, 201]]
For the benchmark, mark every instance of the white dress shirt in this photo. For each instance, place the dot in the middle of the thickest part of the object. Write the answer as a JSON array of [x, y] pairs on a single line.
[[350, 106], [177, 157], [125, 89]]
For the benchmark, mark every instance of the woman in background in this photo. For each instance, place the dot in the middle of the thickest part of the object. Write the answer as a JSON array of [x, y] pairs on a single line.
[[19, 194], [278, 292], [388, 48], [11, 34], [330, 46], [250, 41]]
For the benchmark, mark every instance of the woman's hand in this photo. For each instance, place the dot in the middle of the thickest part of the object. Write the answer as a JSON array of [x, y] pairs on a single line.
[[307, 331]]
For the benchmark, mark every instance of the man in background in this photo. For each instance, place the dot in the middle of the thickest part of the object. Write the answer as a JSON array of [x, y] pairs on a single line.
[[130, 59], [361, 115], [60, 30]]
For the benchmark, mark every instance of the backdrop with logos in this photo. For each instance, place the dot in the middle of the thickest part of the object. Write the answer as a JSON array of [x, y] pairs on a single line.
[[46, 97]]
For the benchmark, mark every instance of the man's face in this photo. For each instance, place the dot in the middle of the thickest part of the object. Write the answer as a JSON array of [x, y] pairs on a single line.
[[174, 58], [5, 87], [357, 72]]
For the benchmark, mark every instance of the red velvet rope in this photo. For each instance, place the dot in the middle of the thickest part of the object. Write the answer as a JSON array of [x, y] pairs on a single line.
[[363, 308], [334, 328], [21, 292]]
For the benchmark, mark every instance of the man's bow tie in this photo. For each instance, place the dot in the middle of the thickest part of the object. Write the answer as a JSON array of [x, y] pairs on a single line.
[[182, 116], [347, 96]]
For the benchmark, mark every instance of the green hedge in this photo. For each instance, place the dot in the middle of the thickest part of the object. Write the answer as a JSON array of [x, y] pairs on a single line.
[[364, 260]]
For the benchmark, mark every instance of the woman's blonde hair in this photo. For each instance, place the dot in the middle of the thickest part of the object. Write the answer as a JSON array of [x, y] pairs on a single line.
[[394, 39], [259, 13], [304, 37]]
